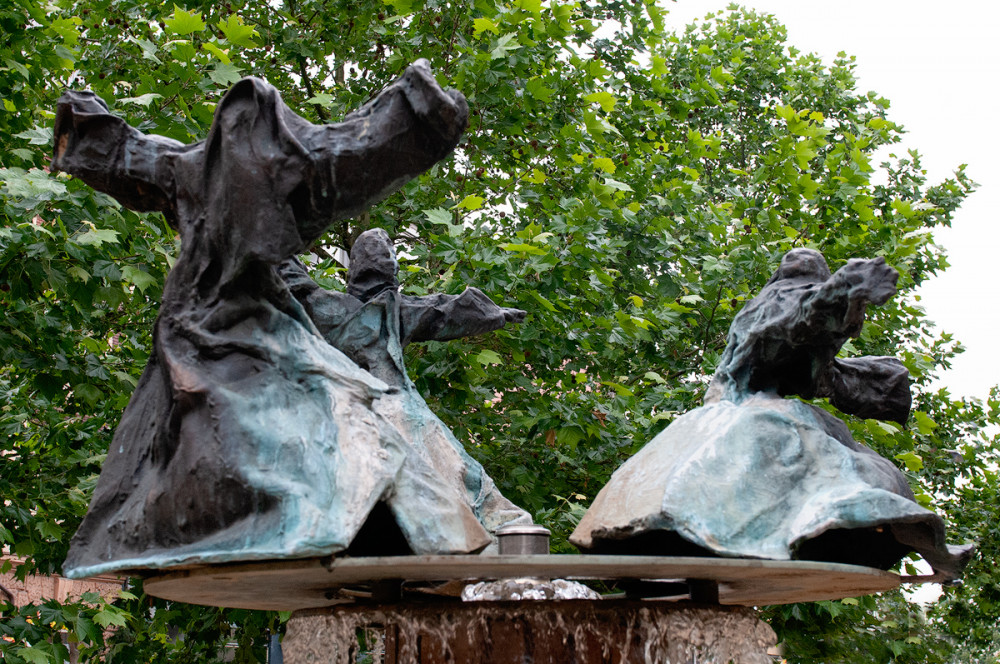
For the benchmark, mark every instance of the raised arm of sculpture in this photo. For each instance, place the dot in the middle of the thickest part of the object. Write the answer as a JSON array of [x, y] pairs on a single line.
[[407, 128], [787, 338], [440, 317], [837, 306], [105, 152]]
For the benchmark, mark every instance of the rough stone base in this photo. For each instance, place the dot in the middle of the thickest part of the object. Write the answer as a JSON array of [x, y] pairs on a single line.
[[569, 632]]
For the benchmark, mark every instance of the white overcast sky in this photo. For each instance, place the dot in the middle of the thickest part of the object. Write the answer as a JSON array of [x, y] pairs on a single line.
[[939, 65]]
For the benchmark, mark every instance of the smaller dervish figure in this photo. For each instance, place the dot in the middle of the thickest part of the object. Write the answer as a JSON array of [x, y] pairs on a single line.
[[754, 474], [442, 499]]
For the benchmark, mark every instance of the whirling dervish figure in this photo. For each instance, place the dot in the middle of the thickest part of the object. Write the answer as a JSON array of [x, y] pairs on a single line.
[[249, 436], [440, 484], [753, 474]]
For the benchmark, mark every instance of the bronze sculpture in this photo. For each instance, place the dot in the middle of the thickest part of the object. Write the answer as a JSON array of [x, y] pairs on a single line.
[[249, 436], [371, 323], [754, 474]]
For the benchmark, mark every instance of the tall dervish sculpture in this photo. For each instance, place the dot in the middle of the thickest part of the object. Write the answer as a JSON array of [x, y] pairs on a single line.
[[250, 436], [754, 474]]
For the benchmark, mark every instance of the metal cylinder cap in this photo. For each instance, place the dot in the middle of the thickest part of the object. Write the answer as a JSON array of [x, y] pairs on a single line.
[[519, 539]]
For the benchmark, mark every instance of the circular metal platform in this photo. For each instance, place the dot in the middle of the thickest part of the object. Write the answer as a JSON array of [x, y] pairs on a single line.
[[317, 582]]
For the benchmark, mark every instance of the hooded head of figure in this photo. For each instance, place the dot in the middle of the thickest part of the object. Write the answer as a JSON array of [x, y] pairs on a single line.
[[802, 264], [373, 266]]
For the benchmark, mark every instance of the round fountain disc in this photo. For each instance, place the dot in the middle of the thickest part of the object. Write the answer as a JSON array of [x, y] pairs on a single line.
[[317, 582]]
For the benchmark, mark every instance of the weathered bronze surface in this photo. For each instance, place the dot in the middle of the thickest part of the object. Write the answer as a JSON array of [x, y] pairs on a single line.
[[251, 435], [754, 474]]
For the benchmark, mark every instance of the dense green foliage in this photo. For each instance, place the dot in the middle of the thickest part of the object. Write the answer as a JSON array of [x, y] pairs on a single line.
[[629, 186]]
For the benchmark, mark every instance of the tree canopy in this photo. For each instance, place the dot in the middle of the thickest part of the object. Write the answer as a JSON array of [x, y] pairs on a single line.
[[629, 184]]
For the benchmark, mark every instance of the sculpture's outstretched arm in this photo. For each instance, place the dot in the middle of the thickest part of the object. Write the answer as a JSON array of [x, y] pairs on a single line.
[[868, 387], [837, 307], [442, 317], [109, 155], [404, 131]]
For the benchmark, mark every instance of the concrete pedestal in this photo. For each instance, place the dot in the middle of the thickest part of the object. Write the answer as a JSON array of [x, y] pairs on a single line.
[[543, 632]]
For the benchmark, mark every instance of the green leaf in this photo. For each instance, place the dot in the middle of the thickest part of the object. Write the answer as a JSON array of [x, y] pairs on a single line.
[[237, 32], [183, 22], [542, 300], [110, 616], [605, 99], [19, 68], [504, 46], [79, 273], [913, 462], [225, 75], [616, 185], [217, 52], [401, 7], [439, 216], [89, 394], [487, 356], [531, 6], [536, 176], [97, 237], [887, 427], [470, 202], [659, 66], [925, 425], [524, 248], [786, 113], [138, 278], [605, 164], [34, 655], [620, 390], [481, 25], [537, 89], [148, 50], [49, 530], [31, 186], [125, 378], [37, 136], [322, 99], [67, 29], [142, 100], [596, 125]]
